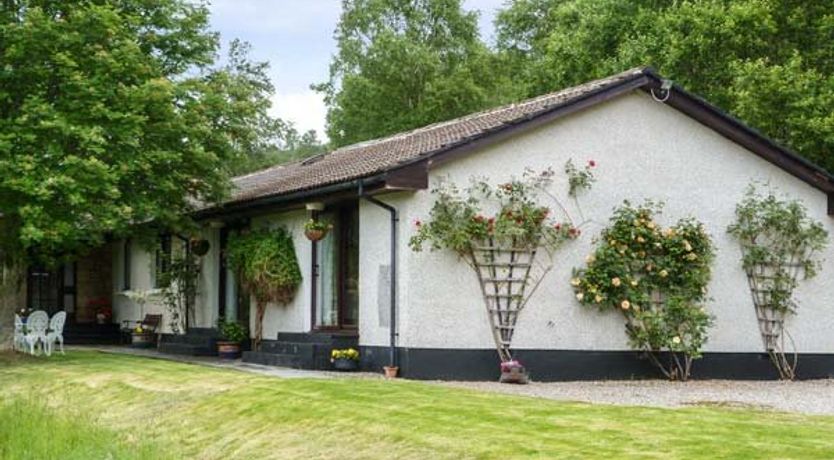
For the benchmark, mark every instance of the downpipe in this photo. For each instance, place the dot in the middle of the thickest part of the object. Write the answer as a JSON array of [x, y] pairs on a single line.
[[394, 216]]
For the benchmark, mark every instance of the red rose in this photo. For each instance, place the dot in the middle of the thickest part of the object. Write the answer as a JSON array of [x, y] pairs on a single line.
[[592, 163]]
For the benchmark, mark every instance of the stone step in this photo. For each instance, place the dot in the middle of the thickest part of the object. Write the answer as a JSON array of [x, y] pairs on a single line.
[[338, 339], [272, 359], [187, 349]]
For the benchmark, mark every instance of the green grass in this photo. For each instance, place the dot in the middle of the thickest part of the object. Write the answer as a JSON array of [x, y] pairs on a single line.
[[128, 407]]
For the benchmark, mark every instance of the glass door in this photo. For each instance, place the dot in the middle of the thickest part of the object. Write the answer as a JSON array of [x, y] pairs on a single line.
[[337, 263]]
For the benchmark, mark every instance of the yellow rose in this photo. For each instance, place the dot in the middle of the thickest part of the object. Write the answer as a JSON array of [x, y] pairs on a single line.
[[598, 298], [676, 339], [651, 224], [580, 296], [691, 256], [615, 281], [640, 239], [663, 273], [625, 304], [687, 246], [590, 259], [575, 282], [634, 282]]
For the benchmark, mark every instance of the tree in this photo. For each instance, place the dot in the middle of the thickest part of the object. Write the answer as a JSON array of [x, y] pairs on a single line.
[[291, 146], [767, 62], [112, 113], [406, 63]]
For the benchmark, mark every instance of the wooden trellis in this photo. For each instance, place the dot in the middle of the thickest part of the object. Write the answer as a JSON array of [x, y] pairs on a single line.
[[764, 280], [508, 275]]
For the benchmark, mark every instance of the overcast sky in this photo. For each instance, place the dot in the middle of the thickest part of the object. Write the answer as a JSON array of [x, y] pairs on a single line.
[[296, 37]]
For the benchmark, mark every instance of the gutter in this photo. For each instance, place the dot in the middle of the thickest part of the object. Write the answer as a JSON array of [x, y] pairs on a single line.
[[392, 211]]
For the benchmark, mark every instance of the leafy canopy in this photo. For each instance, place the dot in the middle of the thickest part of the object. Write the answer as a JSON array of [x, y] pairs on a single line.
[[113, 113], [770, 63], [402, 64]]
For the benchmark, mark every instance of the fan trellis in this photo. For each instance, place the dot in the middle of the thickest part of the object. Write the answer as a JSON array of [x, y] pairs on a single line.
[[771, 289], [508, 275]]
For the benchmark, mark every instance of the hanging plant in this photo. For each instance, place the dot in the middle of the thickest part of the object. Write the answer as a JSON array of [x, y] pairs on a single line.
[[199, 246], [657, 279], [498, 230], [267, 267], [780, 245], [315, 230]]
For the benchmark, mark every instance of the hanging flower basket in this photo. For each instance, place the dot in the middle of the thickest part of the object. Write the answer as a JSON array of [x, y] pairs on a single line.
[[315, 230], [200, 246]]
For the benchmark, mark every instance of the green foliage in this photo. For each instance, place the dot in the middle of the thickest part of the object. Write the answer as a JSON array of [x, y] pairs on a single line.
[[345, 353], [112, 113], [264, 260], [768, 62], [267, 267], [459, 219], [179, 288], [780, 240], [405, 64], [232, 331], [292, 146], [657, 279], [317, 225]]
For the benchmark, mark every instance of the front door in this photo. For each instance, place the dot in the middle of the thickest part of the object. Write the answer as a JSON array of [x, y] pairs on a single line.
[[337, 268], [51, 290]]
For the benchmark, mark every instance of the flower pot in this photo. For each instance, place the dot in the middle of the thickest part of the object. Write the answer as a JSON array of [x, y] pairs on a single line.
[[344, 364], [391, 371], [315, 235], [228, 350], [513, 372], [141, 340]]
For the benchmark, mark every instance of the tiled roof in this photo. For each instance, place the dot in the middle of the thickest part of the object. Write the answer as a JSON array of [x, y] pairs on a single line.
[[379, 155]]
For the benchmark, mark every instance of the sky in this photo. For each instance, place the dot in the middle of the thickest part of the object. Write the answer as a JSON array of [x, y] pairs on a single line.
[[296, 38]]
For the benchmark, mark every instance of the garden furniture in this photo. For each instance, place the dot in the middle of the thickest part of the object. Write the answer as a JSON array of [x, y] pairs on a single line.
[[148, 325], [36, 325], [55, 333], [18, 341]]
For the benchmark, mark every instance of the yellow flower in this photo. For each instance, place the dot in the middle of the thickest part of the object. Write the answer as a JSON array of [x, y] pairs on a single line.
[[575, 282], [663, 273], [687, 246], [580, 296], [669, 232], [676, 339], [640, 239], [691, 256], [634, 282], [636, 222], [590, 259], [651, 224], [598, 298], [615, 281], [625, 304]]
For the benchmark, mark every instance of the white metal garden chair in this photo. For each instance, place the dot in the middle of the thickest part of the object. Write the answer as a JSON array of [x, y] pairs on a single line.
[[18, 341], [55, 333], [36, 326]]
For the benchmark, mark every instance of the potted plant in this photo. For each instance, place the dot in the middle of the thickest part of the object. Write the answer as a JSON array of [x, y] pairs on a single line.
[[104, 313], [232, 335], [315, 230], [345, 359], [390, 371], [513, 372], [141, 338], [200, 246]]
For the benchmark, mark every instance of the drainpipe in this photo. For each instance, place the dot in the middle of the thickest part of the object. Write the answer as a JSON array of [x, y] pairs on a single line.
[[392, 358]]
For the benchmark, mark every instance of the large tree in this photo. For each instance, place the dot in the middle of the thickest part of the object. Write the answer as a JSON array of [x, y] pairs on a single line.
[[113, 113], [406, 63], [769, 62]]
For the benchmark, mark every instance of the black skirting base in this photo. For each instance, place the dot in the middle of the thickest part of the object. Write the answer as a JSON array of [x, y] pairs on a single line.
[[562, 365]]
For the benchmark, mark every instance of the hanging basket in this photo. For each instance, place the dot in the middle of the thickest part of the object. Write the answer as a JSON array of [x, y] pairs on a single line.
[[315, 235], [200, 246]]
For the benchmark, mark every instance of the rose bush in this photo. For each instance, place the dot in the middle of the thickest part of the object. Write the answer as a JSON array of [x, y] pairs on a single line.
[[657, 279]]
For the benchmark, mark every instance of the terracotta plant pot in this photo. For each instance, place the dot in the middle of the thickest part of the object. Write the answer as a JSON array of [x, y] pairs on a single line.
[[315, 235], [346, 365], [391, 371], [228, 350]]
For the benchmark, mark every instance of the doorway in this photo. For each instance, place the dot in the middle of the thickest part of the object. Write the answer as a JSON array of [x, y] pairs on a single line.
[[336, 290], [51, 289]]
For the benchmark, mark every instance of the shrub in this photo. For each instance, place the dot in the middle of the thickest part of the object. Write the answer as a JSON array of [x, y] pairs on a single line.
[[657, 279]]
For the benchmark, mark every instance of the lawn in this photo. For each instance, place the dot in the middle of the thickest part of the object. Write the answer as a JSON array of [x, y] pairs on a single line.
[[88, 405]]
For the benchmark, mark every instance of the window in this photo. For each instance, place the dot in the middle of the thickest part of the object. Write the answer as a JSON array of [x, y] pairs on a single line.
[[126, 250], [163, 261]]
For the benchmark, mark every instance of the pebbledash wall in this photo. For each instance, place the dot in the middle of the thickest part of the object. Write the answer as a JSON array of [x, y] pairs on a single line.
[[644, 150]]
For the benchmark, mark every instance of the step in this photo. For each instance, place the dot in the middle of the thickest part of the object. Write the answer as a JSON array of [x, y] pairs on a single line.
[[186, 349], [290, 348], [339, 339], [272, 359], [188, 339]]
